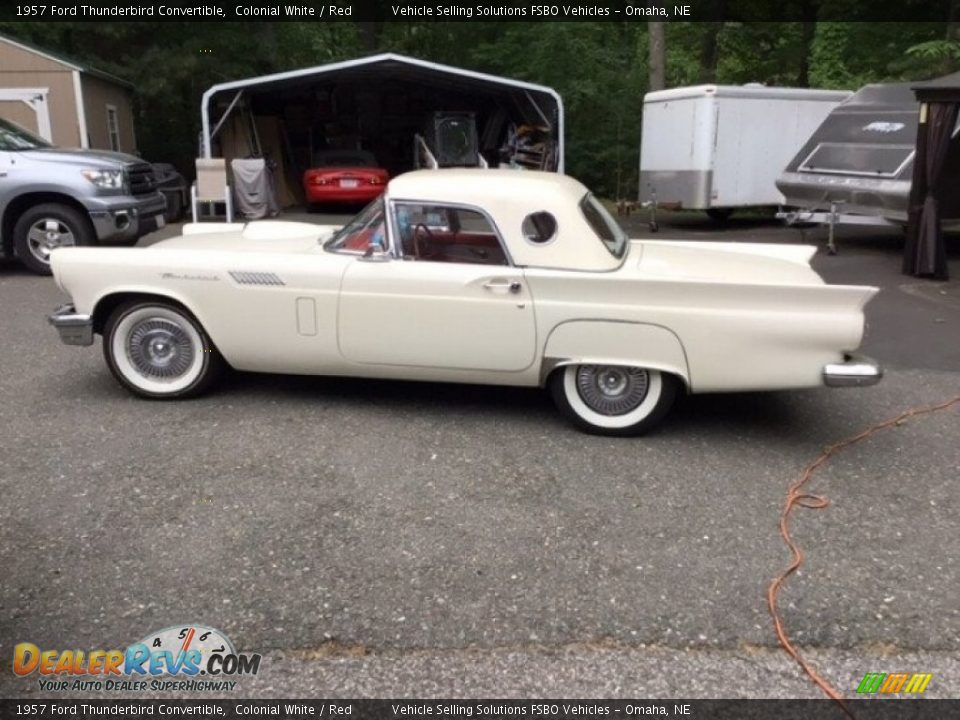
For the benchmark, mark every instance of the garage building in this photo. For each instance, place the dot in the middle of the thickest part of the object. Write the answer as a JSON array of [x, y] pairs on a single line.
[[65, 102]]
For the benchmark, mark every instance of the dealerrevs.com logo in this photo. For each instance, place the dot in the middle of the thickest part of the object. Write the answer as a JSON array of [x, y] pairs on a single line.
[[178, 658], [894, 683]]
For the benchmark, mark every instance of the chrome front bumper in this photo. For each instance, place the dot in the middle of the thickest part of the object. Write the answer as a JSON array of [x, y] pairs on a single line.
[[854, 371], [74, 329]]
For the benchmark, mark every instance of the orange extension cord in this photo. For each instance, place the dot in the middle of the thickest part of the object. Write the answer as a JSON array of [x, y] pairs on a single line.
[[818, 502]]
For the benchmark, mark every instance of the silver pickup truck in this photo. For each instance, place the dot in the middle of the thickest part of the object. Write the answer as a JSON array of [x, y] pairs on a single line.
[[52, 197]]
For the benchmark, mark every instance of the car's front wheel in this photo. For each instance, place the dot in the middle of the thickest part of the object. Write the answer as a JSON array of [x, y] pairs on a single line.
[[613, 399], [158, 350]]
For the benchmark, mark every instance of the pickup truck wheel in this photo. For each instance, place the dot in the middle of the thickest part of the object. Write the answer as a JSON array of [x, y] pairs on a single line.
[[46, 227], [613, 399], [157, 350]]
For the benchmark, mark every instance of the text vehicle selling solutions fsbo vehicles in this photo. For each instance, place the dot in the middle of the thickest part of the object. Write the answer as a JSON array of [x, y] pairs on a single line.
[[476, 276]]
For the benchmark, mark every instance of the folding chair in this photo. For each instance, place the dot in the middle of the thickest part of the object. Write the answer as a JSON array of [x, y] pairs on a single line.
[[211, 186]]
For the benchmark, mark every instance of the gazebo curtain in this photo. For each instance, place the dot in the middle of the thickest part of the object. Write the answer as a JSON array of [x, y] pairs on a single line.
[[925, 254]]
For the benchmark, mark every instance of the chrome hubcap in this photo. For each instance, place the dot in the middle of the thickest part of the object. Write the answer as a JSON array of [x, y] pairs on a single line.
[[160, 348], [48, 235], [612, 390]]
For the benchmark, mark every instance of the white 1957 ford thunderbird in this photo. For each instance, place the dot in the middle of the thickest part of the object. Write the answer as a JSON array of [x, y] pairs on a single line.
[[476, 276]]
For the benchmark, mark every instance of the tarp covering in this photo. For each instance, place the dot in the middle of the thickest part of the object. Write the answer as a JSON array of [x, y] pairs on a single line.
[[253, 189]]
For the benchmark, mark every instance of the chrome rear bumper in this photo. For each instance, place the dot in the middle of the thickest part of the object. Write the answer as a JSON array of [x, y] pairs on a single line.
[[854, 371], [74, 329]]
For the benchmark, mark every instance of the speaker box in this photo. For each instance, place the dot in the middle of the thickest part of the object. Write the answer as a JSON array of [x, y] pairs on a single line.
[[452, 137]]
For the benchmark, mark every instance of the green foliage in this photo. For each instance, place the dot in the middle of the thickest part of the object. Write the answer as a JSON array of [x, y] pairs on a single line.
[[934, 57], [849, 55], [600, 69]]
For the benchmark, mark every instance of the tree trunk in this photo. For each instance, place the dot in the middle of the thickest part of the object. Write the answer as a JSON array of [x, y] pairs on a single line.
[[710, 52], [370, 34], [808, 31], [658, 55]]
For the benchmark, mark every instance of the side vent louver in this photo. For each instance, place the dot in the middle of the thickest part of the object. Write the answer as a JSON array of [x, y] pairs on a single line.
[[256, 278]]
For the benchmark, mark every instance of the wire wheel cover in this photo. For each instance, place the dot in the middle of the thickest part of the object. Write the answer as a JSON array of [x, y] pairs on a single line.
[[160, 348], [612, 390]]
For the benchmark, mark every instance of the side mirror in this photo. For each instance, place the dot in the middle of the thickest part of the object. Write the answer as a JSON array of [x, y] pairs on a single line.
[[375, 253]]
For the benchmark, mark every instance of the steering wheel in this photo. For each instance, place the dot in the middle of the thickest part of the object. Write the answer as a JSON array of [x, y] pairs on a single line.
[[423, 243]]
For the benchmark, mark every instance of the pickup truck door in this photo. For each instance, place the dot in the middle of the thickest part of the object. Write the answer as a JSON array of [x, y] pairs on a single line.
[[436, 314]]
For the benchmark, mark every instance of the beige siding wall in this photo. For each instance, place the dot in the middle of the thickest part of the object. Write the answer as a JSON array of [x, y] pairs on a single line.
[[12, 56], [19, 113], [97, 94], [23, 69]]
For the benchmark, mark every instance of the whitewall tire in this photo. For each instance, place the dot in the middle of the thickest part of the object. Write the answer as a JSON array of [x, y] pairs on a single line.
[[613, 399], [158, 350]]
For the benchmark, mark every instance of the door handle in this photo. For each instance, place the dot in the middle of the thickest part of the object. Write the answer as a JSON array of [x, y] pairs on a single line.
[[511, 285]]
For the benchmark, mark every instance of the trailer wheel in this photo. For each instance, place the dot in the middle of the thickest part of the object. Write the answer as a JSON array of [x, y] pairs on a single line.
[[719, 215]]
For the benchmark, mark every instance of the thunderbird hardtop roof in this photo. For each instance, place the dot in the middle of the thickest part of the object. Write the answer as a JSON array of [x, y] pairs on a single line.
[[468, 185], [508, 197]]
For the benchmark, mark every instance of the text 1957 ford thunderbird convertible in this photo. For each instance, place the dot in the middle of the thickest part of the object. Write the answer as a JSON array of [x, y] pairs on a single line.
[[476, 276]]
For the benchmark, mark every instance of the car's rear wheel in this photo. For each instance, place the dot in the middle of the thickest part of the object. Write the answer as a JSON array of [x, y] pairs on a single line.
[[44, 228], [613, 399], [158, 350]]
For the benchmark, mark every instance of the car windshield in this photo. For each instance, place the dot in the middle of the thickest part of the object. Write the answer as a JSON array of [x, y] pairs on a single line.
[[14, 137], [364, 230], [343, 158], [603, 224]]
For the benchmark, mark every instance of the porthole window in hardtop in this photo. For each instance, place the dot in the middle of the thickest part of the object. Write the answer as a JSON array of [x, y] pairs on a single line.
[[539, 227], [446, 233]]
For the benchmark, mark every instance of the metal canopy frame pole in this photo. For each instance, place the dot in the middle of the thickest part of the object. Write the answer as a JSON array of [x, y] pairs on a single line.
[[559, 127], [537, 108], [209, 135]]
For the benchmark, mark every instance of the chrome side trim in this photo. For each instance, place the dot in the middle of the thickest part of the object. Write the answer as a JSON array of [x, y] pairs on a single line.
[[854, 371], [74, 328]]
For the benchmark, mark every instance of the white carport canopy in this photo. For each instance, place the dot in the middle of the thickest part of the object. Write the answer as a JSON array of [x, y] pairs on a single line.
[[536, 104]]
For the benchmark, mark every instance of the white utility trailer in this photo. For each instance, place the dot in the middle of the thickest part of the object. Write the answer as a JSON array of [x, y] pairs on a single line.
[[722, 147]]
